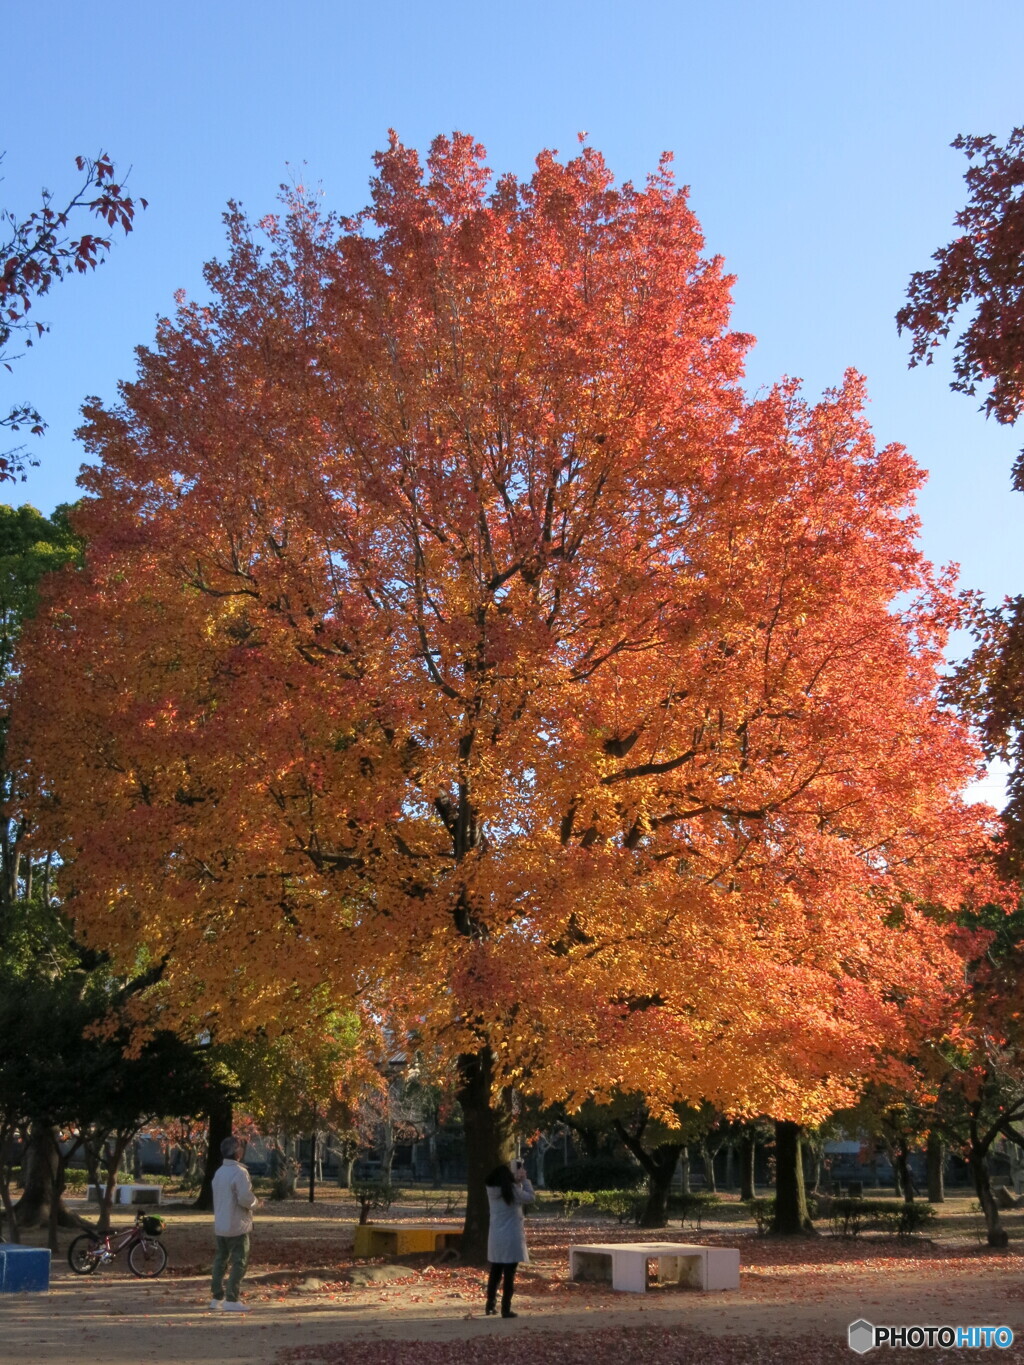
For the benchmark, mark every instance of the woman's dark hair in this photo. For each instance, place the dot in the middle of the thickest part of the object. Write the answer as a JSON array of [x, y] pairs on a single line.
[[501, 1177]]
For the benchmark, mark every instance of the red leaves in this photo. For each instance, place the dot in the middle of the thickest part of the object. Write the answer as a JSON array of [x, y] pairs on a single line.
[[983, 267], [35, 255], [598, 1345]]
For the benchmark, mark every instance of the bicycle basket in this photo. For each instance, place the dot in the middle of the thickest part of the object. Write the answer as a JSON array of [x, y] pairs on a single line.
[[153, 1224]]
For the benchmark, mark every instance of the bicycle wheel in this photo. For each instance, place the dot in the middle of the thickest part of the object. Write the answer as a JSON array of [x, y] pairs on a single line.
[[147, 1258], [82, 1254]]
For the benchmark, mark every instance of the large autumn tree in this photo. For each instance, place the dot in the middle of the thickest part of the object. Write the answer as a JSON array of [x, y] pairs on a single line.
[[455, 632]]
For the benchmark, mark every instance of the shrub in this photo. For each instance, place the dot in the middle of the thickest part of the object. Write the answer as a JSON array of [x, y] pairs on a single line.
[[574, 1200], [281, 1183], [596, 1173], [692, 1207], [850, 1217], [372, 1194], [447, 1201], [625, 1205], [277, 1187], [763, 1211]]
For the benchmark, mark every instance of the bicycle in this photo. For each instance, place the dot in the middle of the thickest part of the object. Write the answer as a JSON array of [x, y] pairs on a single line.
[[146, 1256]]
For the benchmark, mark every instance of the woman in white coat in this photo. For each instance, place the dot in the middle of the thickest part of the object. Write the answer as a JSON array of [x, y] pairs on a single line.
[[507, 1192]]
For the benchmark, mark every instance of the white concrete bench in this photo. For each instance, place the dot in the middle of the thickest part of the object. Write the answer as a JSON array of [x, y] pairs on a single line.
[[126, 1194], [139, 1194], [625, 1264]]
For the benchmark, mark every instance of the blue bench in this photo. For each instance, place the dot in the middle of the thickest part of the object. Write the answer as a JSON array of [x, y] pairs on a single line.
[[23, 1269]]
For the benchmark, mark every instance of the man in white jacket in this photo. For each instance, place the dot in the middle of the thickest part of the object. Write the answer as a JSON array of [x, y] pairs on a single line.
[[233, 1202]]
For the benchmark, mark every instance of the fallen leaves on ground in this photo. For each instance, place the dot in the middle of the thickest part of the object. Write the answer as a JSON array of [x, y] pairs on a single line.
[[640, 1346]]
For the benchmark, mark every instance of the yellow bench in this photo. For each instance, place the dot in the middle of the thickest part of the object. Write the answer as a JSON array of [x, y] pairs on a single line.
[[404, 1239]]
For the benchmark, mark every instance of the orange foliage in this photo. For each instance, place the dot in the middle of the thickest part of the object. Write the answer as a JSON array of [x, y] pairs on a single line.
[[454, 631]]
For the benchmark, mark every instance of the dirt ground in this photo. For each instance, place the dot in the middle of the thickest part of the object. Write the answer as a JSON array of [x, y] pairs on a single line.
[[307, 1303]]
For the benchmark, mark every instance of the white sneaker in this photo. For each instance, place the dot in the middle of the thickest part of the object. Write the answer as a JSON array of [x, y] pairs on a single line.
[[216, 1305], [235, 1307]]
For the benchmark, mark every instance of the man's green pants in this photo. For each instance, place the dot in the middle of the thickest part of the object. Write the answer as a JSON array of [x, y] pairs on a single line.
[[232, 1254]]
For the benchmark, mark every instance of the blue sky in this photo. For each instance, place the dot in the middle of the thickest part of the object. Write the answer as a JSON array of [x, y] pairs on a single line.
[[814, 136]]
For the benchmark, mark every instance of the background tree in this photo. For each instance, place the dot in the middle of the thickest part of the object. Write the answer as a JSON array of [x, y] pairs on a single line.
[[431, 1110], [36, 252], [298, 1084], [123, 1088], [983, 268], [183, 1140], [68, 1082], [31, 546], [989, 687], [455, 634], [754, 1133], [658, 1148], [977, 1065], [901, 1117], [43, 968]]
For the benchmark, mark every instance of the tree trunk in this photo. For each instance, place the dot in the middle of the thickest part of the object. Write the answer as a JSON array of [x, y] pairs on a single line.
[[46, 880], [40, 1175], [587, 1139], [221, 1116], [487, 1120], [115, 1149], [540, 1151], [59, 1167], [977, 1160], [935, 1153], [92, 1161], [791, 1215], [903, 1169], [661, 1167], [748, 1151], [11, 1231], [312, 1167], [684, 1174], [709, 1155], [434, 1161], [289, 1167], [387, 1157], [817, 1165]]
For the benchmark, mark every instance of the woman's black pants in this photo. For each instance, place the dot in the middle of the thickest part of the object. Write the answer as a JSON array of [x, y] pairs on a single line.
[[505, 1273]]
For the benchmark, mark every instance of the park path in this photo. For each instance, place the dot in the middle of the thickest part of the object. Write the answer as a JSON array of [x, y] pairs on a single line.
[[121, 1321]]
